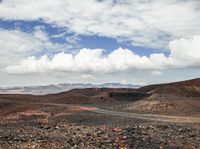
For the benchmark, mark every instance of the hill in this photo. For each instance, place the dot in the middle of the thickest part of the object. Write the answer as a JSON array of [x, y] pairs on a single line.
[[50, 89], [187, 83], [178, 98]]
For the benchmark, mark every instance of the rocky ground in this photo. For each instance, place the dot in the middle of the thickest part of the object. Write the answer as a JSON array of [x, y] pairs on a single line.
[[63, 121], [56, 127]]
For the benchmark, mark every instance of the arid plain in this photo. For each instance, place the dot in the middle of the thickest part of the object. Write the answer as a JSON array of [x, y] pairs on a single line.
[[160, 116]]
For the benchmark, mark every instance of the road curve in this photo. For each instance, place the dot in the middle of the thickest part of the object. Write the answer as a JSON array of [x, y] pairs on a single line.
[[151, 117]]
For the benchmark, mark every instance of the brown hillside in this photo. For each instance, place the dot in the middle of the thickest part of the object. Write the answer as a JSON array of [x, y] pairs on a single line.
[[82, 96], [186, 88]]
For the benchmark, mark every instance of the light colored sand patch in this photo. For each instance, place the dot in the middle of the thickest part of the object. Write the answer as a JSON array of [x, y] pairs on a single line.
[[33, 112]]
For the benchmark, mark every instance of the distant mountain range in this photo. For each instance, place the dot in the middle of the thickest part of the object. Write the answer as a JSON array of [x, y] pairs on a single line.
[[42, 90]]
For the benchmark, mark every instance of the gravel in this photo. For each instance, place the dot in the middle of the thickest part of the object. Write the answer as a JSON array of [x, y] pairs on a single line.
[[25, 134]]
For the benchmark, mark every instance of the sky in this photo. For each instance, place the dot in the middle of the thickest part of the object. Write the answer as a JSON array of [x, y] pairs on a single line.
[[98, 41]]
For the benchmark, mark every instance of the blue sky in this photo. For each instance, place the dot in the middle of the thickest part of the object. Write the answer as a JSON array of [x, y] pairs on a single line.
[[98, 41], [91, 42]]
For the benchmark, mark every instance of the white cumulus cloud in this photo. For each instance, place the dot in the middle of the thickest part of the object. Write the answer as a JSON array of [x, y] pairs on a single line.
[[156, 73], [150, 23], [87, 77], [16, 44], [184, 53]]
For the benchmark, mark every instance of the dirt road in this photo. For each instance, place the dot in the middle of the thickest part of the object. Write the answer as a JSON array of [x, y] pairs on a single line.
[[151, 117]]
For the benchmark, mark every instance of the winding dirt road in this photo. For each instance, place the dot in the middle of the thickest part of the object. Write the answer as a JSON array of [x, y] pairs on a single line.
[[151, 117]]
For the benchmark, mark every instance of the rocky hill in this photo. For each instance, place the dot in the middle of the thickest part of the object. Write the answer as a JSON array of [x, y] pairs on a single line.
[[187, 83], [50, 89]]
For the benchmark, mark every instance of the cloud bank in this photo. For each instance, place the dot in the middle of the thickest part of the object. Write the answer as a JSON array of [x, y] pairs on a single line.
[[169, 29], [140, 22], [183, 53], [16, 45]]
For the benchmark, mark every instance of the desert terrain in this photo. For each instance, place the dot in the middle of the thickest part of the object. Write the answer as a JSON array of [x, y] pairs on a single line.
[[164, 116]]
